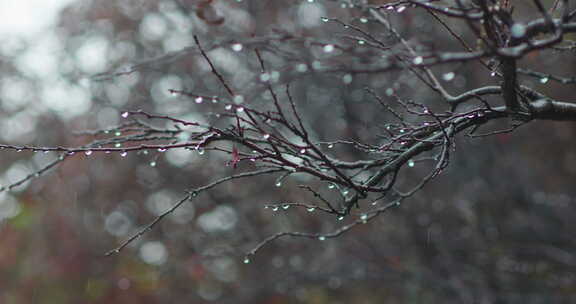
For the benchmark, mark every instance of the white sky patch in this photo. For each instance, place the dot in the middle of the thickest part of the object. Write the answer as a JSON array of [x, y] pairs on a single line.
[[27, 18]]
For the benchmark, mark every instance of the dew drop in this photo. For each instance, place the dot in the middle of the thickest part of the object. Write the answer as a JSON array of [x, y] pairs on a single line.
[[117, 133], [418, 60], [199, 99], [330, 146], [363, 20], [278, 184], [201, 151], [345, 192], [123, 153], [88, 153], [285, 207], [310, 209], [266, 136], [228, 107], [162, 149], [493, 74], [152, 164], [400, 9], [411, 163], [448, 76], [389, 91], [324, 19], [240, 109], [340, 217], [364, 217], [331, 186], [18, 150], [303, 151], [321, 238], [246, 261], [237, 47], [361, 42], [264, 77], [214, 99], [544, 80], [117, 145], [329, 48], [275, 208], [125, 115]]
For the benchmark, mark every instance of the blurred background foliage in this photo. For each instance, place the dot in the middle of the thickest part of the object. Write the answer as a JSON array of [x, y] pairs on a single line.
[[497, 227]]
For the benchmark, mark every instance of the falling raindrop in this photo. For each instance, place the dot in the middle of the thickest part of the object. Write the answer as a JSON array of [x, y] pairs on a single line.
[[310, 209], [199, 99], [125, 115], [411, 163]]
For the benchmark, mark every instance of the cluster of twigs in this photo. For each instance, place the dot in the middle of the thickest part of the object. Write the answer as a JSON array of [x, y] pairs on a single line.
[[277, 139]]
